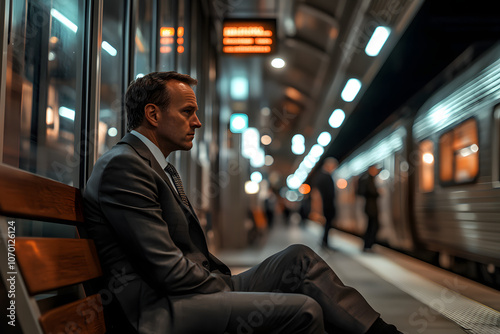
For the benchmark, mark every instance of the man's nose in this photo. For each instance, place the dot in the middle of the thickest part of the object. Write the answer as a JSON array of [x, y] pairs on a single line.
[[196, 122]]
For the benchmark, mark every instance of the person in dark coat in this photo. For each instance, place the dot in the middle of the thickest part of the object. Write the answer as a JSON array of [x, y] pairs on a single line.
[[324, 186], [368, 190]]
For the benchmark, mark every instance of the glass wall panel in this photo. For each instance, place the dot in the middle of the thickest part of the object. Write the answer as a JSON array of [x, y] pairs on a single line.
[[44, 88], [167, 41], [111, 119], [143, 54], [183, 37]]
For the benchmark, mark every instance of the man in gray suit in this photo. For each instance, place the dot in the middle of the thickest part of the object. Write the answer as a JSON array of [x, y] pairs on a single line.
[[153, 251]]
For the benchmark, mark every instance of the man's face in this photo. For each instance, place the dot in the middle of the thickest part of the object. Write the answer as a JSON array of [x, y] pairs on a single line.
[[178, 122]]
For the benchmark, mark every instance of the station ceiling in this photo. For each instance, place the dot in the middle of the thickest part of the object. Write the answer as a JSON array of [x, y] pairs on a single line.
[[322, 43]]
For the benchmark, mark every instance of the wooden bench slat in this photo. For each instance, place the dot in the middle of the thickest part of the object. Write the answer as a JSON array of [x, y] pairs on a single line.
[[82, 316], [51, 263], [26, 195]]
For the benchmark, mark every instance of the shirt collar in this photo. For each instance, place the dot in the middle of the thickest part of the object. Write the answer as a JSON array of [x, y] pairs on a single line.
[[153, 148]]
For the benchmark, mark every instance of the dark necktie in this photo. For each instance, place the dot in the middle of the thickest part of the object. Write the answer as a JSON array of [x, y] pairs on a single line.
[[177, 182]]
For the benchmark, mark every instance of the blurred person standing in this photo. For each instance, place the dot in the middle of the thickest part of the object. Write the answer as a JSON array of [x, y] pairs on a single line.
[[368, 189], [323, 194]]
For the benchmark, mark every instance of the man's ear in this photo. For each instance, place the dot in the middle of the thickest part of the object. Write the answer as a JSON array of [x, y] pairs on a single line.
[[151, 112]]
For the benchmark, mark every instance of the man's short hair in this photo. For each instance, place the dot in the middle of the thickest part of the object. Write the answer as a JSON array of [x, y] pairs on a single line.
[[150, 88]]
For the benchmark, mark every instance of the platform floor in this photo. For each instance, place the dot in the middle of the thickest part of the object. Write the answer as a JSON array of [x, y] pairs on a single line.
[[417, 297]]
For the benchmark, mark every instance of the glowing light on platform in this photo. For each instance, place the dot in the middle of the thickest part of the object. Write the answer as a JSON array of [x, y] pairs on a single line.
[[305, 189], [341, 183], [428, 158], [266, 140], [384, 175], [269, 160]]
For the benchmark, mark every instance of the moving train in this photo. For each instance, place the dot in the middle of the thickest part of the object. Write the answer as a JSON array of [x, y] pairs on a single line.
[[439, 183]]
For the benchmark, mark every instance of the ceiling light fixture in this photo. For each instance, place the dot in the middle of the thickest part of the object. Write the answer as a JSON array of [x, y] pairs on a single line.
[[278, 63], [324, 138], [377, 41], [350, 90], [337, 118]]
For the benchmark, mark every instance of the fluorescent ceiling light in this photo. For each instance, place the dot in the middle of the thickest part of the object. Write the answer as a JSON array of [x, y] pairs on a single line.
[[251, 187], [258, 159], [293, 182], [324, 138], [278, 63], [298, 148], [64, 20], [250, 142], [377, 41], [256, 177], [317, 151], [298, 139], [350, 90], [337, 118], [238, 123], [109, 48], [239, 88]]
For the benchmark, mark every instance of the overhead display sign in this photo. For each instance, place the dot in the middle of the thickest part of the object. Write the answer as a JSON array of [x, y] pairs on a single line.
[[249, 36]]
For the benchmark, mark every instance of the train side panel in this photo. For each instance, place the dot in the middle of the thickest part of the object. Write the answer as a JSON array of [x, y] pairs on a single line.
[[460, 214]]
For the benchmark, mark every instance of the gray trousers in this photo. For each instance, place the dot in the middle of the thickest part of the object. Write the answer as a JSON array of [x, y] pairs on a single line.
[[293, 291]]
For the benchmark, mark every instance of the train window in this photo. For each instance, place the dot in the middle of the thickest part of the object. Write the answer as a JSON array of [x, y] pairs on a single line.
[[426, 179], [143, 38], [459, 157], [44, 85], [112, 75]]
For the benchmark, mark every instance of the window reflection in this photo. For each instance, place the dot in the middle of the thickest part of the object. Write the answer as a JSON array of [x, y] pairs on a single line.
[[44, 71], [112, 75]]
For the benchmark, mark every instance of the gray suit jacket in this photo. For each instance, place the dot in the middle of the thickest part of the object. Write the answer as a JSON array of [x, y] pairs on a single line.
[[151, 246]]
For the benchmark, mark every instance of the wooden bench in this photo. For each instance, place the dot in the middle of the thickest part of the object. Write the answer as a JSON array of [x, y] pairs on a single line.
[[54, 268]]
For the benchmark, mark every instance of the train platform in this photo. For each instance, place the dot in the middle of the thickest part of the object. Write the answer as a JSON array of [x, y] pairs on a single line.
[[417, 297]]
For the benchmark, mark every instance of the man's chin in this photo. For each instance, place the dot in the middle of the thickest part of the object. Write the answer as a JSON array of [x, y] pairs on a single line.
[[187, 147]]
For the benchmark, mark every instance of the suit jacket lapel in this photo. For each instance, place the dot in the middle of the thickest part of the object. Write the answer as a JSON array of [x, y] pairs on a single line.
[[146, 154]]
